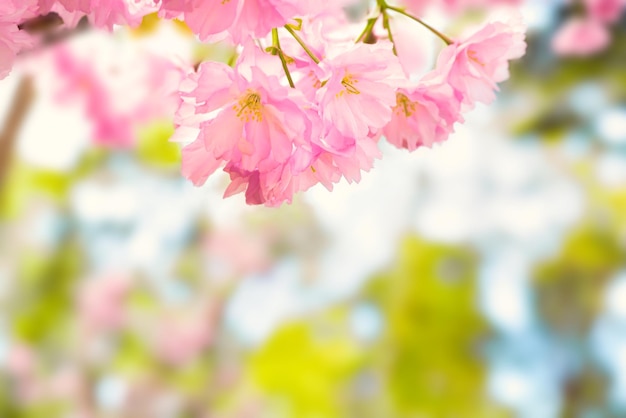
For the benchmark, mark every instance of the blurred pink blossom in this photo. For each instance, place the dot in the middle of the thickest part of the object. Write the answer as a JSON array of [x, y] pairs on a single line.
[[112, 12], [101, 302], [608, 11], [581, 36], [20, 361], [181, 340], [12, 39], [233, 253], [119, 90]]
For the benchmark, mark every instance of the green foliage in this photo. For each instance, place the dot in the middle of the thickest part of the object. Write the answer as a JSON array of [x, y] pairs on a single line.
[[570, 286], [546, 80], [426, 364], [154, 148], [39, 410], [569, 289], [429, 356], [133, 356], [305, 367], [45, 301], [220, 52], [26, 182]]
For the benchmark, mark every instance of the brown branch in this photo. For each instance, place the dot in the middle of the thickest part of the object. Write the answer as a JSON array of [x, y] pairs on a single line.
[[22, 102], [49, 32], [45, 26], [41, 24]]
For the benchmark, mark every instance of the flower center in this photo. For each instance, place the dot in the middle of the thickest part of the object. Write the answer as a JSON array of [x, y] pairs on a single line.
[[348, 82], [249, 108], [405, 105], [474, 57]]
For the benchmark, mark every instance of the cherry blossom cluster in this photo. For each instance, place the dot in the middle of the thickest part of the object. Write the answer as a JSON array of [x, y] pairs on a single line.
[[311, 92], [307, 104], [586, 34]]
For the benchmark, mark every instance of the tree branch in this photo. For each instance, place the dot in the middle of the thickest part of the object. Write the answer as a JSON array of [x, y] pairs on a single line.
[[22, 102]]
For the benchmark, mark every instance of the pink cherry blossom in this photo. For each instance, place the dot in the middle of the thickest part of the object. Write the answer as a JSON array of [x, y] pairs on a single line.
[[581, 36], [348, 165], [608, 11], [180, 340], [239, 18], [473, 66], [13, 40], [325, 34], [205, 18], [101, 301], [414, 50], [272, 140], [113, 12], [258, 17], [119, 89], [176, 8], [256, 126], [20, 361], [359, 92], [21, 365], [232, 253], [452, 6], [423, 115]]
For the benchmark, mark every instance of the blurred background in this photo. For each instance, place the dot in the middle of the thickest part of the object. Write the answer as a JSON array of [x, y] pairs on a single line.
[[485, 277]]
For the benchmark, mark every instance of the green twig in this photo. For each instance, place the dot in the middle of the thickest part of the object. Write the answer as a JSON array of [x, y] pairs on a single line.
[[368, 30], [281, 55], [388, 27], [302, 44], [445, 38]]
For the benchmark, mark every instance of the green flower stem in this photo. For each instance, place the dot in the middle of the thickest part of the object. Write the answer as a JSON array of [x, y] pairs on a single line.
[[302, 44], [368, 29], [388, 27], [443, 37], [281, 55]]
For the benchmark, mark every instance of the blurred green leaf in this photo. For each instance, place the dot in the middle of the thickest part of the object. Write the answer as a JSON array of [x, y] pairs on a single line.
[[306, 367], [570, 286], [26, 182], [45, 301], [154, 148], [429, 358]]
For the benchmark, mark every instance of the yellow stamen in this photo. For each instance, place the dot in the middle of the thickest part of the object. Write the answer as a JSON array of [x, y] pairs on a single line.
[[405, 105], [348, 83], [249, 108], [474, 57]]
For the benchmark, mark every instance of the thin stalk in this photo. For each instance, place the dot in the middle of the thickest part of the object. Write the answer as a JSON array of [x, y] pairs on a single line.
[[388, 27], [281, 55], [302, 44], [368, 29], [443, 37]]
